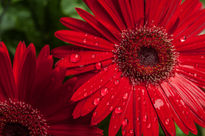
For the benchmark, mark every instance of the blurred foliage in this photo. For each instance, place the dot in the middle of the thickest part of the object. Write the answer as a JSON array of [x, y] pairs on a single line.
[[35, 21]]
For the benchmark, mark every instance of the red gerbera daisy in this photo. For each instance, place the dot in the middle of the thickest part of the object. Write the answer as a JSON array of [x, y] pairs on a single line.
[[33, 98], [150, 62]]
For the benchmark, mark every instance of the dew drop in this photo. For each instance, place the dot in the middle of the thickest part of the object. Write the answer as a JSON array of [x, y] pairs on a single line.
[[104, 91], [84, 40], [85, 94], [167, 121], [96, 43], [93, 56], [138, 98], [118, 110], [96, 101], [74, 58], [158, 104], [124, 122], [131, 131], [142, 91], [98, 65], [183, 39], [117, 82], [125, 96], [111, 108], [106, 68], [149, 125], [145, 118], [107, 103]]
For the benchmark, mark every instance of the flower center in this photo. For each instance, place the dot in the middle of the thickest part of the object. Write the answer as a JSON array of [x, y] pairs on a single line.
[[145, 55], [15, 129], [148, 56], [20, 119]]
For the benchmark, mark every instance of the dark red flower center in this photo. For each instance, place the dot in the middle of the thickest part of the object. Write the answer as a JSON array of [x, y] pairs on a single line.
[[148, 56], [20, 119], [15, 129], [145, 55]]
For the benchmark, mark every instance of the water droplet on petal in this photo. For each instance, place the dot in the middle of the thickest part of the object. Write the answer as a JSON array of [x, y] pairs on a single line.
[[183, 39], [74, 58], [138, 98], [142, 91], [167, 121], [111, 108], [98, 65], [125, 96], [145, 118], [104, 91], [93, 56], [118, 110], [84, 40], [131, 131], [96, 101], [106, 68], [117, 82], [149, 125], [96, 43], [85, 94], [124, 122], [158, 104], [107, 103]]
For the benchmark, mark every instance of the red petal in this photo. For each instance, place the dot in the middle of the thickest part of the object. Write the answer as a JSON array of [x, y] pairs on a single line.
[[27, 72], [128, 130], [106, 21], [191, 27], [94, 84], [118, 115], [162, 108], [79, 25], [96, 24], [146, 117], [180, 111], [113, 12], [87, 68], [127, 13], [188, 97], [74, 130], [110, 101], [7, 83], [80, 58], [18, 57], [84, 40], [138, 11]]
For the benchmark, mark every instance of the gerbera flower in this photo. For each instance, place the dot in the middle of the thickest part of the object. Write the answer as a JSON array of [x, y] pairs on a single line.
[[33, 100], [150, 62]]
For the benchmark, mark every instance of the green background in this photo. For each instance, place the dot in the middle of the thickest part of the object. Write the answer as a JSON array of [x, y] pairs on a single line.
[[35, 21]]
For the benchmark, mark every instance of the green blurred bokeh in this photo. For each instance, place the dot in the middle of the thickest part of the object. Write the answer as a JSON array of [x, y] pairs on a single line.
[[35, 21]]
